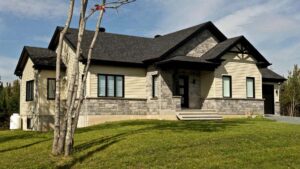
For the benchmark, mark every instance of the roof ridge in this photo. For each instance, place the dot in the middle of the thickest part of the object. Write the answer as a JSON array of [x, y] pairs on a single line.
[[191, 27], [36, 47], [111, 33]]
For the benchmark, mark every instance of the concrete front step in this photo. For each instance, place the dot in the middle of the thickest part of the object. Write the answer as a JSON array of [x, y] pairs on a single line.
[[198, 110], [199, 116]]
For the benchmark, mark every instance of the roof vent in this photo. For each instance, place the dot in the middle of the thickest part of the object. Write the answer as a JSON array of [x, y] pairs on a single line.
[[157, 36], [101, 29]]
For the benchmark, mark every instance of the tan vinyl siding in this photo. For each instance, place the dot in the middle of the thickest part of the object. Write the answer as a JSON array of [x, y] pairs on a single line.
[[134, 79], [207, 84], [28, 74], [239, 69], [46, 107], [68, 55]]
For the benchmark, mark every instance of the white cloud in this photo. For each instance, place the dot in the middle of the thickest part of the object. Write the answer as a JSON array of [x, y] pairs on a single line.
[[182, 14], [271, 25], [7, 68], [34, 8], [236, 22]]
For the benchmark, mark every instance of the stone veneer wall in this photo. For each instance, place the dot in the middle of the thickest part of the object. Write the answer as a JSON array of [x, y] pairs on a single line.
[[165, 103], [114, 106], [234, 106], [277, 108], [197, 46]]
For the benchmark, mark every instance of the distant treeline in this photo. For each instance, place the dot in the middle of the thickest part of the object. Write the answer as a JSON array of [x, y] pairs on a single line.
[[290, 94], [9, 101]]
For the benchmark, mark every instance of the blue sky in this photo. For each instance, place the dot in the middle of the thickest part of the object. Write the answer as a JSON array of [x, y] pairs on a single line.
[[272, 26]]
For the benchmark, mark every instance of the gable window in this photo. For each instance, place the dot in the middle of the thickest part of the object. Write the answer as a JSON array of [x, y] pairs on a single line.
[[250, 85], [154, 86], [29, 90], [51, 86], [227, 87], [110, 86]]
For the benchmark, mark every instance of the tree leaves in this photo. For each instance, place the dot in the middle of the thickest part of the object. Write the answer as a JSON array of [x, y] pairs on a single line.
[[290, 96]]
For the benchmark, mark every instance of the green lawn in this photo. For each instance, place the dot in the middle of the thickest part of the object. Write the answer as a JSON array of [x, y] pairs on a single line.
[[235, 143]]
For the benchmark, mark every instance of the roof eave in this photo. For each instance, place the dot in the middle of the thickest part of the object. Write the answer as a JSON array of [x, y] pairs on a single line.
[[273, 80], [19, 72]]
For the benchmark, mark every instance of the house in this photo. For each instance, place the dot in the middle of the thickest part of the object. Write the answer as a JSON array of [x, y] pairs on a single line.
[[194, 70]]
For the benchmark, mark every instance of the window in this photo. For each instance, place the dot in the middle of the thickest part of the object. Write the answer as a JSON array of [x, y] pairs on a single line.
[[250, 84], [51, 86], [154, 86], [110, 86], [227, 88], [29, 90], [29, 123]]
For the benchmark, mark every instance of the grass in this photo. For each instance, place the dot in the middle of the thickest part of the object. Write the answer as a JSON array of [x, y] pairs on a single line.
[[234, 143]]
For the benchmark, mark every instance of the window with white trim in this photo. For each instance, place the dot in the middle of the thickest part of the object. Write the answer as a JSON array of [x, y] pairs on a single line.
[[250, 87], [227, 87]]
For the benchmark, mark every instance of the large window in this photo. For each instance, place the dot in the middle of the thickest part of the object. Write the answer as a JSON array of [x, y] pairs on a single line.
[[51, 89], [227, 88], [154, 86], [110, 86], [250, 84], [29, 90]]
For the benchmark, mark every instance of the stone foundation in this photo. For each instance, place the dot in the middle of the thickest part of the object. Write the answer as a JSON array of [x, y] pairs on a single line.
[[114, 106], [234, 106]]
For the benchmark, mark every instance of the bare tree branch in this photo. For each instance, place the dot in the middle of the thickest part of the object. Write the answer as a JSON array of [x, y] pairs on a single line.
[[109, 5], [118, 4]]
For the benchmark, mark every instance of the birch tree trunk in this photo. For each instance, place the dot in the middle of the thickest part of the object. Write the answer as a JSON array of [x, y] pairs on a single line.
[[58, 86], [72, 92], [86, 69]]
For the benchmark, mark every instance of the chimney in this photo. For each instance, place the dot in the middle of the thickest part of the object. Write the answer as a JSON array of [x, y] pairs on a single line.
[[101, 29]]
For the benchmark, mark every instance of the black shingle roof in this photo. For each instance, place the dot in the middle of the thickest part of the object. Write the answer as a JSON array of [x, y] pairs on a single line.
[[113, 48], [269, 75], [41, 58], [132, 49], [188, 62]]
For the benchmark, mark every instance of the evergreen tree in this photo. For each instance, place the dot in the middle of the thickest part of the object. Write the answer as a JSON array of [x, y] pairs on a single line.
[[9, 102]]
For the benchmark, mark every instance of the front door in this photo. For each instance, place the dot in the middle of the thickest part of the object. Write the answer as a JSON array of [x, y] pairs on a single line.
[[183, 90], [268, 95]]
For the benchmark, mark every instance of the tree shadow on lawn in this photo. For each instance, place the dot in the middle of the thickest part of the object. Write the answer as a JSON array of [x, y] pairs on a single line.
[[24, 146], [25, 135], [103, 143], [201, 126]]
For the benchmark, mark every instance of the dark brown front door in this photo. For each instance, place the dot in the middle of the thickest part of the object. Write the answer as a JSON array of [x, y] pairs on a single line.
[[183, 90], [268, 95]]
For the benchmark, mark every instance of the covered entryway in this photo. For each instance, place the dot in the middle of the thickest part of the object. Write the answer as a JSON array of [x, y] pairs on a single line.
[[268, 95]]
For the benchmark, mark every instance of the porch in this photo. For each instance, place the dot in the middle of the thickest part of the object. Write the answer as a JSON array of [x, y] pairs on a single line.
[[199, 85]]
